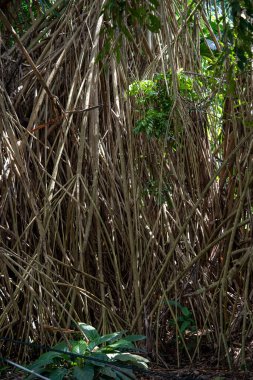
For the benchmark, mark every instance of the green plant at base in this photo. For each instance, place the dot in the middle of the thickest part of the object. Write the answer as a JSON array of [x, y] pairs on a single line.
[[184, 321], [94, 357]]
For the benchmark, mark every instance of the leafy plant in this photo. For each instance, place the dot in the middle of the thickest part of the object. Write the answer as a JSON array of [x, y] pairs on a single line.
[[184, 320], [153, 99], [153, 105], [94, 356]]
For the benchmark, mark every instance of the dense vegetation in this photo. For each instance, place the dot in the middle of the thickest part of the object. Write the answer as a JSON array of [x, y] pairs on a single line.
[[126, 173]]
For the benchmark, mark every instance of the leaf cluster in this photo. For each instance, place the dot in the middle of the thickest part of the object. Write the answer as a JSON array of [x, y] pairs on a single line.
[[153, 99], [153, 103], [120, 19], [22, 14], [108, 356], [240, 34], [184, 320]]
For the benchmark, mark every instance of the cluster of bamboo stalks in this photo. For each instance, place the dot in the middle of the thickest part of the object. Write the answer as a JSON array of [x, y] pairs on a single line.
[[82, 236]]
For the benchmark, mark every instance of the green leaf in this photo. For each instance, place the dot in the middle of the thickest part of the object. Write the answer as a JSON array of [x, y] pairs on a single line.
[[135, 338], [87, 372], [63, 346], [184, 326], [89, 331], [154, 24], [130, 358], [58, 374], [79, 347], [122, 343], [105, 338], [97, 356], [127, 33], [45, 359], [155, 3], [108, 372], [186, 312]]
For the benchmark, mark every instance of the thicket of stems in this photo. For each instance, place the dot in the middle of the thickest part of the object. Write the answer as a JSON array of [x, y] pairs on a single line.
[[81, 239]]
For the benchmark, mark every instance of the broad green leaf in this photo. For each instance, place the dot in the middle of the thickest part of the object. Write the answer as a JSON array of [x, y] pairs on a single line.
[[79, 347], [121, 344], [97, 359], [45, 359], [186, 311], [58, 374], [184, 326], [105, 338], [89, 331], [120, 373], [87, 372], [64, 346], [134, 338], [108, 372], [130, 358]]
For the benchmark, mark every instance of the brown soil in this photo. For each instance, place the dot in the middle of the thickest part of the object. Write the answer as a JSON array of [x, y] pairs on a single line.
[[198, 373]]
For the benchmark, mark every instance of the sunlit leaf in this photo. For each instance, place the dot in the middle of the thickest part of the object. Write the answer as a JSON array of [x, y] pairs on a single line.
[[89, 331]]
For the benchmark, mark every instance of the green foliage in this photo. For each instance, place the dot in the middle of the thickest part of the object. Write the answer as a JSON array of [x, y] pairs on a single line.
[[240, 35], [160, 192], [22, 14], [154, 103], [93, 357], [153, 99], [233, 30], [184, 320], [121, 16]]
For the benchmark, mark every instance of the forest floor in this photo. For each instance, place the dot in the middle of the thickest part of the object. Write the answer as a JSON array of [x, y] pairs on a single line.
[[186, 373], [197, 373], [204, 368]]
